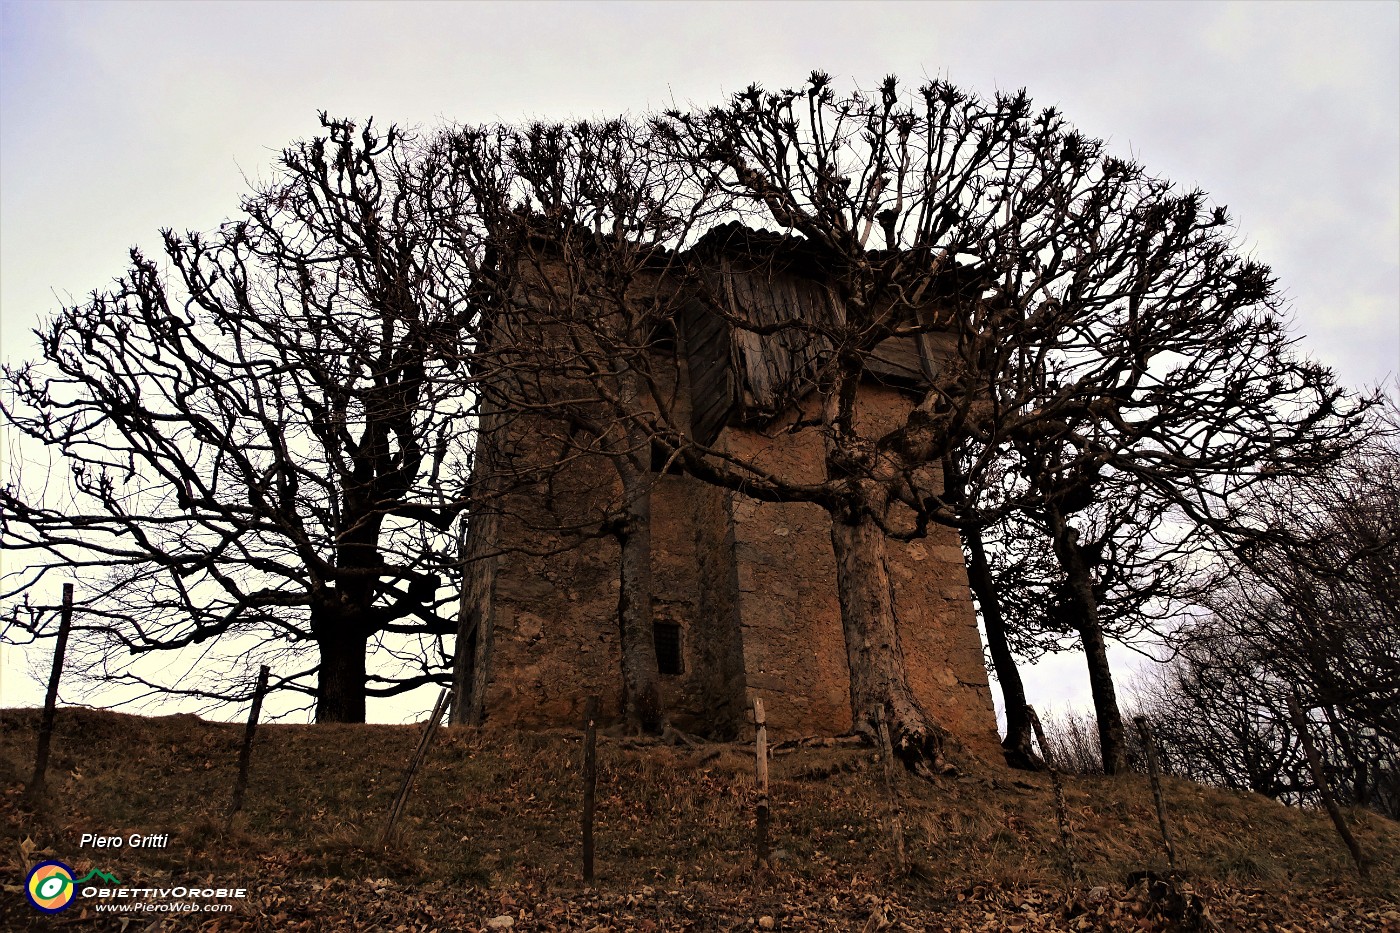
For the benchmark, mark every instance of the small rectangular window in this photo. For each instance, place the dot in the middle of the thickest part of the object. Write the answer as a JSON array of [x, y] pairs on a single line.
[[667, 637]]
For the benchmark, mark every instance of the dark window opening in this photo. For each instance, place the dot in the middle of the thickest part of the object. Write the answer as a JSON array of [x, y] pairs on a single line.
[[667, 637], [663, 459], [663, 336]]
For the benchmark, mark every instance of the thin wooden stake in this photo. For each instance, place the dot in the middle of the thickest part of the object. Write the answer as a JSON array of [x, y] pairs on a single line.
[[1061, 816], [1300, 723], [401, 801], [761, 777], [896, 819], [245, 754], [1154, 771], [35, 791], [590, 782]]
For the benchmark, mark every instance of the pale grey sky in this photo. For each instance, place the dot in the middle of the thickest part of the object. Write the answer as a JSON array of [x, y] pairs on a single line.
[[119, 118]]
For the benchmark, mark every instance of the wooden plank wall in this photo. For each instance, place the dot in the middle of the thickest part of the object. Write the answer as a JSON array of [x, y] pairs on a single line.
[[776, 368], [708, 352], [740, 372]]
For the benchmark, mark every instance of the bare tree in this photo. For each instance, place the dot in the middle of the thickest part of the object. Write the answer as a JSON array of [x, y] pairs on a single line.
[[1105, 327], [1221, 714], [1220, 718], [1145, 385], [1146, 574], [992, 581], [266, 442], [829, 172], [1322, 606], [1311, 614]]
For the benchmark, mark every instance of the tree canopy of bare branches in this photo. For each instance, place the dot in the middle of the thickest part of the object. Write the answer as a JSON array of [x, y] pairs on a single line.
[[266, 443], [1108, 334]]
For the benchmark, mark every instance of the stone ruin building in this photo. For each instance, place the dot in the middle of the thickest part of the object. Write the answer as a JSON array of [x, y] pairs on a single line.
[[745, 596]]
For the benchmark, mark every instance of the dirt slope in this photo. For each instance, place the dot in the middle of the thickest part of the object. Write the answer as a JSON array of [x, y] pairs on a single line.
[[490, 836]]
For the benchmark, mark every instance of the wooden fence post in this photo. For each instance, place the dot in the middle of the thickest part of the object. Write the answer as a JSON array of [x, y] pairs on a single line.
[[761, 777], [1155, 773], [590, 782], [1300, 723], [35, 791], [245, 754], [896, 819], [1061, 816], [429, 730]]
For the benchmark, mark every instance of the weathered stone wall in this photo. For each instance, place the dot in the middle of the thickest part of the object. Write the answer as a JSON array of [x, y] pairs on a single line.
[[752, 586], [555, 596], [790, 613], [555, 600], [695, 579], [938, 631], [794, 652]]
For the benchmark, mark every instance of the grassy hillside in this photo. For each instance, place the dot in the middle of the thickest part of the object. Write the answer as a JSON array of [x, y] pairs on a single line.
[[491, 832]]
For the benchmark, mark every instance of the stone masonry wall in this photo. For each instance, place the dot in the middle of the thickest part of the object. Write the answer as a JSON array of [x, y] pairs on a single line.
[[753, 588], [794, 649], [555, 594]]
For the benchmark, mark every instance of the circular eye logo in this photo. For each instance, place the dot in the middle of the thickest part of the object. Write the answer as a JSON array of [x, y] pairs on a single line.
[[49, 887]]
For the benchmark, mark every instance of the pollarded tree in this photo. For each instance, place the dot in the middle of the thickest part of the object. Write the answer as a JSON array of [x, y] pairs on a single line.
[[267, 444], [1147, 573], [1171, 392], [1135, 362], [829, 174], [996, 581], [939, 180], [1100, 314]]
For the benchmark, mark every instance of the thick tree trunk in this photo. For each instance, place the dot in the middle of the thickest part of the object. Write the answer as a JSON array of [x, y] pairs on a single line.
[[476, 615], [873, 651], [343, 623], [1112, 737], [340, 690], [1017, 744], [641, 679], [1112, 742]]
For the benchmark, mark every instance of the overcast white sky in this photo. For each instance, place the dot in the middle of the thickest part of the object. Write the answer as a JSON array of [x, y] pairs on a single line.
[[117, 119]]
